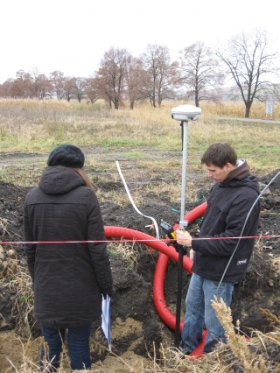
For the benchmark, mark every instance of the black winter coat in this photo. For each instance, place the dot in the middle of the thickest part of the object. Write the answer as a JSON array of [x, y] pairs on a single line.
[[228, 205], [68, 278]]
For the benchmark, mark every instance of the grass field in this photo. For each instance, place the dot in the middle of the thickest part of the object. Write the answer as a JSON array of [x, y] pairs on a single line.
[[35, 127]]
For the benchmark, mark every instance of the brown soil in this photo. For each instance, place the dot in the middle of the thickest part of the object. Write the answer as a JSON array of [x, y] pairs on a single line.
[[136, 326]]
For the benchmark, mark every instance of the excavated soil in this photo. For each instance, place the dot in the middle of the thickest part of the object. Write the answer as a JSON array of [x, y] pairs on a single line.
[[136, 326]]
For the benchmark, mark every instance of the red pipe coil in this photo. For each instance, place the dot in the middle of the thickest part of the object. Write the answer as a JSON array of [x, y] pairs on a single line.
[[166, 252]]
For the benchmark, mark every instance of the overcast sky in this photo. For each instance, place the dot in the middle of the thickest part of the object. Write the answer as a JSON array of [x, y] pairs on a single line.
[[72, 35]]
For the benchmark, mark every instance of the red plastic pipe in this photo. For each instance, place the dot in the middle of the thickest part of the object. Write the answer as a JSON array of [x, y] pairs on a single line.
[[166, 252], [158, 286]]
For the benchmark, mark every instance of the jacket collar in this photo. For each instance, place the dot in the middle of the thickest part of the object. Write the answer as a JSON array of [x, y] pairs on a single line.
[[240, 172]]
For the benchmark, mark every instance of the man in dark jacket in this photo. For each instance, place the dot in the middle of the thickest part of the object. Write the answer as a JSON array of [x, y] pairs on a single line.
[[219, 264], [68, 278]]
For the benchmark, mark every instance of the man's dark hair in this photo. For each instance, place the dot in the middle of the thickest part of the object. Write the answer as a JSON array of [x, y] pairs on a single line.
[[219, 154]]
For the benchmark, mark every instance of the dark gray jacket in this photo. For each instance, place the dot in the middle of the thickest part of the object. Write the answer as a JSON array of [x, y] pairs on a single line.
[[68, 278], [228, 205]]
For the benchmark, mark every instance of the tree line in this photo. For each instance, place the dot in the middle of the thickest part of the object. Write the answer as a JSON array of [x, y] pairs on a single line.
[[198, 74]]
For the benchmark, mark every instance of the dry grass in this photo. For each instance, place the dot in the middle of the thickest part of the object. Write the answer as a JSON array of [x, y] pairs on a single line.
[[20, 281], [171, 191], [237, 343], [126, 251], [237, 109], [236, 356], [37, 126]]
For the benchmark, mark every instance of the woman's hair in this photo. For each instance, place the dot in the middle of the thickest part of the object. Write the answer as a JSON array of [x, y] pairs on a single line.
[[84, 176], [219, 154]]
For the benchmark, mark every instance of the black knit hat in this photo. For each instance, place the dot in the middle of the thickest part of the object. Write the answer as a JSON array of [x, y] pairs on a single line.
[[66, 155]]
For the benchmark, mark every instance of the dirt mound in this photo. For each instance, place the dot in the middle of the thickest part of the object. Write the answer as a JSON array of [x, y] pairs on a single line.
[[136, 325]]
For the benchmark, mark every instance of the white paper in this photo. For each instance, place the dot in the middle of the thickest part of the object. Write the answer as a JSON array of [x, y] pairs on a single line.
[[105, 319]]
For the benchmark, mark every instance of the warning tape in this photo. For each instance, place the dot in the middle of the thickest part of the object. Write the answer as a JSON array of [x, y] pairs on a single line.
[[272, 236]]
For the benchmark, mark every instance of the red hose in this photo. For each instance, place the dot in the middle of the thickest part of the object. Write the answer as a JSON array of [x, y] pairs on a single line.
[[146, 239], [166, 252], [158, 286]]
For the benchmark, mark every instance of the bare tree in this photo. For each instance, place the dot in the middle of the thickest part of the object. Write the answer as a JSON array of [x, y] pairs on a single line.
[[160, 75], [41, 86], [250, 64], [22, 86], [31, 85], [111, 74], [44, 87], [6, 88], [79, 88], [69, 88], [201, 72], [58, 81], [275, 94], [91, 89], [133, 77], [34, 77]]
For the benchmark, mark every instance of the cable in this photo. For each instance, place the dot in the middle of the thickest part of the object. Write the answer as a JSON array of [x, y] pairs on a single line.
[[133, 204]]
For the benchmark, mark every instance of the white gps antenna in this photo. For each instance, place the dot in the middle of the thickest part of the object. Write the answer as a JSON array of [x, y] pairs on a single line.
[[184, 113]]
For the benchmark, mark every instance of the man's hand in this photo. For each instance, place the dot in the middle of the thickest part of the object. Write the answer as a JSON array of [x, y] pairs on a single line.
[[191, 254], [183, 238]]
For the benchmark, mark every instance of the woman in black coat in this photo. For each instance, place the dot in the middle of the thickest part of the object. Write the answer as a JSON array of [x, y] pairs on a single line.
[[68, 278]]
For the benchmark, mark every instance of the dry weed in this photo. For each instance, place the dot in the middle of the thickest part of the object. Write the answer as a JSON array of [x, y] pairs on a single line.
[[24, 298], [28, 365], [118, 197], [273, 319], [236, 342], [170, 191], [3, 226], [237, 109], [126, 251]]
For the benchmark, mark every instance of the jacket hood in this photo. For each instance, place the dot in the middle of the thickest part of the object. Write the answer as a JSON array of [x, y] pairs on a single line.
[[241, 171], [59, 180], [241, 176]]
